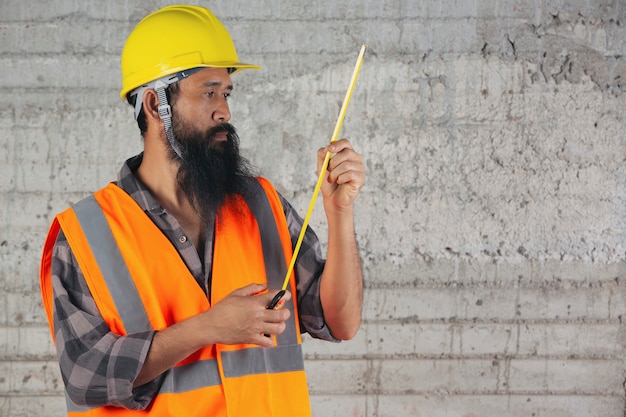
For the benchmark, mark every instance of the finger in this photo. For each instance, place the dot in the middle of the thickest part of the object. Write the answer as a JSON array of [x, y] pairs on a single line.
[[250, 289], [345, 160], [345, 171], [274, 329], [275, 300], [277, 316], [263, 340], [333, 147], [339, 145], [278, 297], [344, 155], [352, 178], [283, 300], [275, 322], [321, 156]]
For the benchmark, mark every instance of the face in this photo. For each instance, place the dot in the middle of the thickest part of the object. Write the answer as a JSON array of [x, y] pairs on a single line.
[[202, 99], [211, 168]]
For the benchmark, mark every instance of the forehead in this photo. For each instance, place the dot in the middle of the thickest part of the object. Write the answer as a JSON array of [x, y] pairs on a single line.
[[207, 77]]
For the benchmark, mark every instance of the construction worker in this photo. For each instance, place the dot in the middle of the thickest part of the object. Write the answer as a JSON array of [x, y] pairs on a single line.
[[156, 286]]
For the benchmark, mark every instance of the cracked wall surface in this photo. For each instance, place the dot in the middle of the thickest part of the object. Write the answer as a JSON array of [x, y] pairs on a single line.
[[492, 227]]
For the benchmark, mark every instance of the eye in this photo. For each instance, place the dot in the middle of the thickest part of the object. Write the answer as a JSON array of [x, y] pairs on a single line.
[[211, 94]]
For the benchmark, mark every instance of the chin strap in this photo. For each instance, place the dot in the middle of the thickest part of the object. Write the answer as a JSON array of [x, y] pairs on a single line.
[[165, 113]]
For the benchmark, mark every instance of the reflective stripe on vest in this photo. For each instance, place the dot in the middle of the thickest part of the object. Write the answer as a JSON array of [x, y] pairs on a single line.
[[285, 357], [112, 265], [275, 263]]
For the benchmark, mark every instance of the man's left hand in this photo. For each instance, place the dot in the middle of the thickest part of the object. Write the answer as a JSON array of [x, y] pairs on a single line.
[[345, 176]]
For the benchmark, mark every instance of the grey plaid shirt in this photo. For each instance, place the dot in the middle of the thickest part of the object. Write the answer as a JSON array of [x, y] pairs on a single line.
[[98, 366]]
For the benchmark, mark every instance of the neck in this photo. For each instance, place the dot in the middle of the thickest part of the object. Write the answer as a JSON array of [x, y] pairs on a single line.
[[158, 174]]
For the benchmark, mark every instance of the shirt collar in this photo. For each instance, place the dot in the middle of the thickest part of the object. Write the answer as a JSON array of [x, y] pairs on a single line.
[[128, 181]]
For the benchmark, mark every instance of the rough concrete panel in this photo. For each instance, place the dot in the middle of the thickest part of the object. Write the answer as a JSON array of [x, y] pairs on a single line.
[[32, 405], [22, 261], [31, 343], [580, 376], [442, 404], [413, 304], [32, 378], [493, 340], [491, 227], [25, 309]]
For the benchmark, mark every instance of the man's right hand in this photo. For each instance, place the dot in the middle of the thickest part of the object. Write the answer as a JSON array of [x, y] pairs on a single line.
[[241, 317]]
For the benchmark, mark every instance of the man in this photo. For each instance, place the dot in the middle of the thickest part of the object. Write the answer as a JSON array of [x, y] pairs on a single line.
[[156, 286]]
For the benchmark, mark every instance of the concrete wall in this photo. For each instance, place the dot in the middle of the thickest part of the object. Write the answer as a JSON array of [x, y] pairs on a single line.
[[492, 227]]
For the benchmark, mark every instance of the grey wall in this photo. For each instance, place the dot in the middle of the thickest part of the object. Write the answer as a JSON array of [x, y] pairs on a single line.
[[492, 226]]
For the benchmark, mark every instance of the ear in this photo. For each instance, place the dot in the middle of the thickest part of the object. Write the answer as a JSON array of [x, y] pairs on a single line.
[[151, 107]]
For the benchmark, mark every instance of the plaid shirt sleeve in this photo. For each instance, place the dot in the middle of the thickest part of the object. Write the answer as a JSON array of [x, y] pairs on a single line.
[[309, 267], [98, 367]]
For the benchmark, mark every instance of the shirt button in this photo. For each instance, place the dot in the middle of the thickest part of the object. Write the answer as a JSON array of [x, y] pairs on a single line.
[[183, 239]]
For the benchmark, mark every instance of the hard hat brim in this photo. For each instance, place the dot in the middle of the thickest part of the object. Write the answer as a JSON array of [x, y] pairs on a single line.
[[238, 66]]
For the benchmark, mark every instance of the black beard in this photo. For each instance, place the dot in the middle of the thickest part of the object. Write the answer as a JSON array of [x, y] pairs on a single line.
[[210, 171]]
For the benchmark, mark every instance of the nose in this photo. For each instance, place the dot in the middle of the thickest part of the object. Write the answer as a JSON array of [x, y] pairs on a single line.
[[222, 112]]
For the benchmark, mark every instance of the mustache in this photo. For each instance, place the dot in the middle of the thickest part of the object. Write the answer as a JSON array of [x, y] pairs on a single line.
[[224, 127]]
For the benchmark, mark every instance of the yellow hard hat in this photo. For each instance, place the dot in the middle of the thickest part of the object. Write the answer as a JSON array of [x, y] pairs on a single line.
[[173, 39]]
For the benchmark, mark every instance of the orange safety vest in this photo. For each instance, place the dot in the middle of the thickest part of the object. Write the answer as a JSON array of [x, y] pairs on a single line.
[[139, 282]]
